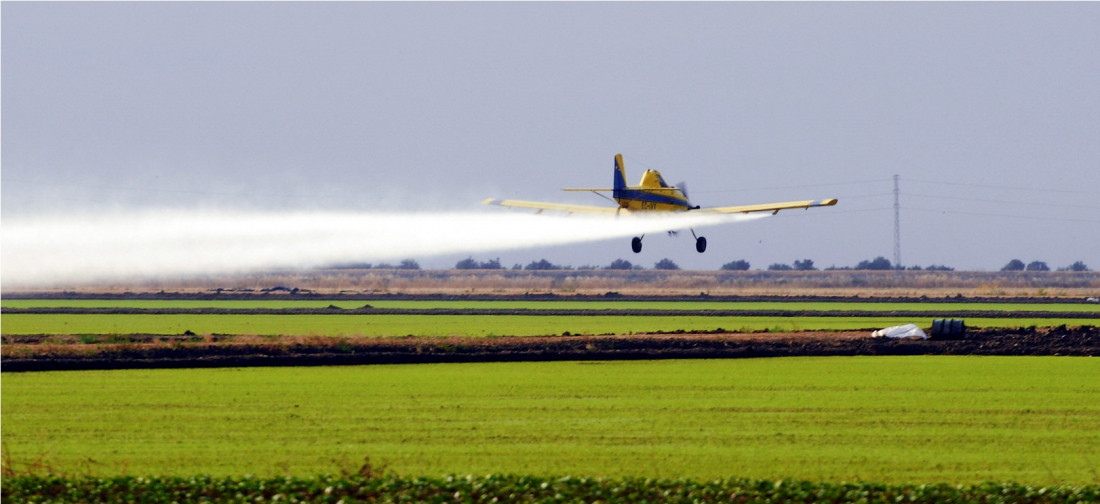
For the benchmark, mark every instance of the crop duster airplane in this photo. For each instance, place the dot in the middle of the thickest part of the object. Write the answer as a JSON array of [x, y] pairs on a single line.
[[652, 194]]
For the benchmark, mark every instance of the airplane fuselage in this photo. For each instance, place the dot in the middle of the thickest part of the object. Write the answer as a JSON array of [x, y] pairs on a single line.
[[641, 200], [651, 193]]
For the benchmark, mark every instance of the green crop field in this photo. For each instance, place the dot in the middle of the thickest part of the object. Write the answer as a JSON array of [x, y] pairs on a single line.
[[455, 325], [1032, 420], [480, 325], [150, 304]]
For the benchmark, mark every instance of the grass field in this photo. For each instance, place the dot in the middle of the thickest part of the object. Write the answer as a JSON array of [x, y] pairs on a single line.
[[1033, 420], [456, 325], [481, 325]]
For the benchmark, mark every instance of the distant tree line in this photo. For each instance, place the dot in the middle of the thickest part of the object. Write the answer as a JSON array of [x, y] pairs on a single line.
[[544, 265], [406, 264], [470, 263], [1018, 265], [878, 263]]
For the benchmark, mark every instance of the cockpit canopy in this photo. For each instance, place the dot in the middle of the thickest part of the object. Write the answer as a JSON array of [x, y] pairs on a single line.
[[652, 178]]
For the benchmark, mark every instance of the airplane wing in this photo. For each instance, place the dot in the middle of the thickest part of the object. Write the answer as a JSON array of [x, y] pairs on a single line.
[[560, 207], [647, 189], [774, 208]]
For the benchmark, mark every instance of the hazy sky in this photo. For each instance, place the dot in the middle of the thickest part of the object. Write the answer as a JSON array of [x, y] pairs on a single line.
[[989, 112]]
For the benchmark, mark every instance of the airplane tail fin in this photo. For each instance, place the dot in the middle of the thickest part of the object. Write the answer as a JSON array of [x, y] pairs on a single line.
[[619, 176]]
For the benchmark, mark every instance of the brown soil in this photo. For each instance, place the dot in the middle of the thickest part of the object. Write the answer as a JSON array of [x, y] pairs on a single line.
[[39, 353]]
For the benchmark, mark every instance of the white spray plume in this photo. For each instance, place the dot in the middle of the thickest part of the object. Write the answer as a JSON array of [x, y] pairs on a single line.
[[44, 251]]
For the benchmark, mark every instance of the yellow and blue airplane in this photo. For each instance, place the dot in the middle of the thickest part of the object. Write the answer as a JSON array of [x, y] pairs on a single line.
[[652, 194]]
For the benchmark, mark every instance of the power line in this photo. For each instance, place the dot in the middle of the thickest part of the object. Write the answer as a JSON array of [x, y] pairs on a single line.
[[984, 214], [800, 186], [989, 186], [1006, 202]]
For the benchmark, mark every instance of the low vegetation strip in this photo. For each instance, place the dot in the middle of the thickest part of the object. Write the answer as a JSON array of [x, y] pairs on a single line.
[[515, 488], [543, 312]]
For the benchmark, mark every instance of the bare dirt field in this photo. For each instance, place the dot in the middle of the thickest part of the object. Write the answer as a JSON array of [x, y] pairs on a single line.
[[36, 353]]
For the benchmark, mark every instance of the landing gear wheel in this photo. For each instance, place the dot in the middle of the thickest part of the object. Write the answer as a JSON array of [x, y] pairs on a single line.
[[636, 244], [701, 244]]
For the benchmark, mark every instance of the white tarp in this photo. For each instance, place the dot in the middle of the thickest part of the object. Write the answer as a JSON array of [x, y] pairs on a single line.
[[901, 331]]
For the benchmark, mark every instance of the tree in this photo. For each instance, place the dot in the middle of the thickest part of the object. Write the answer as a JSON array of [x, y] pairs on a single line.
[[666, 264], [491, 264], [470, 263], [780, 267], [620, 264], [1037, 266], [542, 265], [467, 263], [940, 267], [409, 264], [1077, 266], [878, 263], [351, 265], [738, 265], [804, 265], [1014, 265]]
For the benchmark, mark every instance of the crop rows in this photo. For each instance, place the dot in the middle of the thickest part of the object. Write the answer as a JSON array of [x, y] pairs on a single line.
[[474, 325], [888, 419], [480, 318]]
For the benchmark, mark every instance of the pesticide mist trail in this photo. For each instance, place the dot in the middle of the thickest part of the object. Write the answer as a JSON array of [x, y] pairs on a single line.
[[84, 248]]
